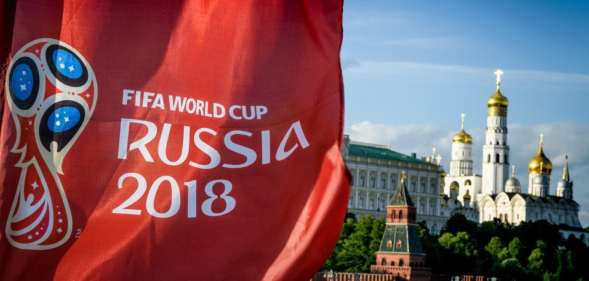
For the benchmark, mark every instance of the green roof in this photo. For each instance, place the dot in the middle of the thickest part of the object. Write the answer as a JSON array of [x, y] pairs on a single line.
[[401, 239], [368, 151]]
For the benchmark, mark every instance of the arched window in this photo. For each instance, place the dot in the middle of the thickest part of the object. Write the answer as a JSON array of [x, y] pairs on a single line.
[[401, 262], [489, 158], [497, 160], [383, 261], [400, 215]]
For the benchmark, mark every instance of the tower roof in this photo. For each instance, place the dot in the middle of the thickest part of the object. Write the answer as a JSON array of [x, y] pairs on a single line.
[[565, 170], [498, 103], [540, 164], [466, 196], [401, 196], [401, 239], [462, 136], [512, 184]]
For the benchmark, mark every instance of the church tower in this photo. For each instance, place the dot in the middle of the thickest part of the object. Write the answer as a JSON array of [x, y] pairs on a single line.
[[495, 149], [512, 184], [564, 188], [461, 163], [539, 170], [400, 252]]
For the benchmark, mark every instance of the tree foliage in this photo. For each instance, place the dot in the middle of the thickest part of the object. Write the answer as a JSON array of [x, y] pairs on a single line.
[[529, 251]]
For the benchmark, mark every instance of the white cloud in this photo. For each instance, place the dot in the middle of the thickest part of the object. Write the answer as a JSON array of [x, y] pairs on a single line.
[[560, 138]]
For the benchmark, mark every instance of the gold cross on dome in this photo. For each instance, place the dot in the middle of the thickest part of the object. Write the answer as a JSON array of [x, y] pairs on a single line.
[[541, 139], [462, 115], [498, 74]]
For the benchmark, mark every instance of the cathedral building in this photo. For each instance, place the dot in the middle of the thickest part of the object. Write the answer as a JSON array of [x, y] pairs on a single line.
[[497, 193]]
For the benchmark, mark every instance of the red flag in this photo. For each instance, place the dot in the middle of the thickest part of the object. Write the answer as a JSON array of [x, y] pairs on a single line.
[[172, 140]]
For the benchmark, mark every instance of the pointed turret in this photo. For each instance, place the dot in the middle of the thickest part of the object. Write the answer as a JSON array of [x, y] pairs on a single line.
[[513, 184], [466, 199], [400, 252], [539, 168], [565, 185], [401, 196], [461, 160]]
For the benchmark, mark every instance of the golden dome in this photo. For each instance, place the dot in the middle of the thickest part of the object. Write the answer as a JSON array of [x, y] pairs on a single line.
[[540, 164], [497, 104], [462, 137], [466, 196]]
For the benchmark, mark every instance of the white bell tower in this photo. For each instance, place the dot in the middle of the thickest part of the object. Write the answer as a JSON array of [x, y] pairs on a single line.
[[495, 149]]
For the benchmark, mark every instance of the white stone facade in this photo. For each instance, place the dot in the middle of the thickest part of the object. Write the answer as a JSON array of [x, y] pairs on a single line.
[[494, 196]]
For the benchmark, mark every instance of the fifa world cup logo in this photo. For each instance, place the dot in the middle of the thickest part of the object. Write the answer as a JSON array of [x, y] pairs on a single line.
[[51, 92]]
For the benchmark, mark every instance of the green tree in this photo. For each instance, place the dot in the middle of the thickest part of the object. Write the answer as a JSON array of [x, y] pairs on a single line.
[[514, 248], [357, 250], [461, 243], [536, 258], [376, 235], [494, 247]]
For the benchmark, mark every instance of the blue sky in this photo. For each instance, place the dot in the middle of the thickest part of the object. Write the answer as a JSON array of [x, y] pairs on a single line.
[[411, 68]]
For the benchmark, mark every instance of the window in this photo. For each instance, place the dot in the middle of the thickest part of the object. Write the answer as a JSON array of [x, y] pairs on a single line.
[[422, 184], [373, 179], [489, 158], [383, 180], [413, 184], [394, 181], [354, 179], [497, 160], [372, 203], [422, 207], [433, 185], [362, 179]]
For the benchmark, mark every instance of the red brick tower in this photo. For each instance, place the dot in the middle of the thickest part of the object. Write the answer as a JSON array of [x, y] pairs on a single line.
[[400, 251]]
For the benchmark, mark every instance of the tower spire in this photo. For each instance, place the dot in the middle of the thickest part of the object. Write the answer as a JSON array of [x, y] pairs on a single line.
[[565, 171], [462, 115]]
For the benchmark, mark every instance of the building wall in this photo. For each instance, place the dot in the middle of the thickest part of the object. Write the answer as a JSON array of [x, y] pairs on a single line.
[[374, 182]]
